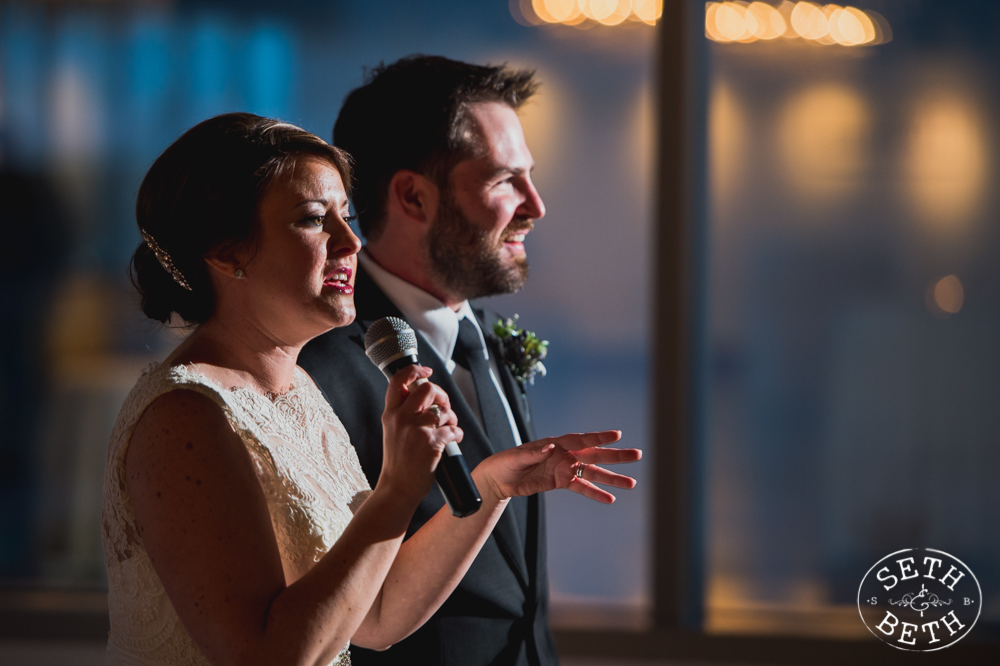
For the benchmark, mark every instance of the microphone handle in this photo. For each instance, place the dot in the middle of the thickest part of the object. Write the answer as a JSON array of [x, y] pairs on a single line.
[[452, 473], [456, 484]]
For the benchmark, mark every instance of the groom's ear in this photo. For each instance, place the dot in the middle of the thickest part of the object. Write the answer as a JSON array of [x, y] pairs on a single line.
[[413, 197]]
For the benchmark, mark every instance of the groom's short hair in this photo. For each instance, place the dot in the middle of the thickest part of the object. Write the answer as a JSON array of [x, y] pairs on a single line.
[[413, 114]]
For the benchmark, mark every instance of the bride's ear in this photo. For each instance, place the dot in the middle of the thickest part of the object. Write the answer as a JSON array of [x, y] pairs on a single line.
[[225, 265]]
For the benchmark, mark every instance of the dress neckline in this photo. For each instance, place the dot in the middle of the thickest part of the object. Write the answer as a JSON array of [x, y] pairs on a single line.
[[185, 369]]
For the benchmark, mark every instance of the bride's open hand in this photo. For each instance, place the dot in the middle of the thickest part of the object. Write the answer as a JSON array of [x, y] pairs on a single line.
[[553, 462]]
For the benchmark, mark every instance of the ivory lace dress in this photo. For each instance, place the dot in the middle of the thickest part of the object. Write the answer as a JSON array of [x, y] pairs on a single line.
[[305, 464]]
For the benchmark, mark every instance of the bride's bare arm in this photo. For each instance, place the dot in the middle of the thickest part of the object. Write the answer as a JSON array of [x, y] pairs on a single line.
[[203, 519], [431, 563]]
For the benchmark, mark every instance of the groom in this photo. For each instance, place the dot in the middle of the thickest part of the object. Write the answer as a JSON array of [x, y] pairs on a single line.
[[444, 195]]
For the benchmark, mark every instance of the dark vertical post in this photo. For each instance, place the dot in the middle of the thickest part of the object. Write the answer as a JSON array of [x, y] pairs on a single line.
[[679, 318]]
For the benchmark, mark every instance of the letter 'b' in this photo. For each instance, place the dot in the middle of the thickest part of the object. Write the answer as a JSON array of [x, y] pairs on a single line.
[[891, 620]]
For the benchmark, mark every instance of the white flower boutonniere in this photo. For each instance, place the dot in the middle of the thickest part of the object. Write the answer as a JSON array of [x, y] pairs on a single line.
[[522, 350]]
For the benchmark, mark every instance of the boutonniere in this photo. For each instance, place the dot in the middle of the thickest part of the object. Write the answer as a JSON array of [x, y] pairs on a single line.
[[522, 350]]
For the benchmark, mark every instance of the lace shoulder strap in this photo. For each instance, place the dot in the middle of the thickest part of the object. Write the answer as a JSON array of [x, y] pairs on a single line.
[[120, 534]]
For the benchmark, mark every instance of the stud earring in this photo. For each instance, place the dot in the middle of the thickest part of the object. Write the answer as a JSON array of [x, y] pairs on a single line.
[[239, 274]]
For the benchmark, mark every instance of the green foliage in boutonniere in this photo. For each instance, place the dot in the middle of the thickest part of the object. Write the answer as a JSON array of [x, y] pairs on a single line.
[[522, 350]]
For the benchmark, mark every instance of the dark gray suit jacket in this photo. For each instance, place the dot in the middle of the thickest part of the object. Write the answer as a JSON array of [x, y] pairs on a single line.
[[498, 614]]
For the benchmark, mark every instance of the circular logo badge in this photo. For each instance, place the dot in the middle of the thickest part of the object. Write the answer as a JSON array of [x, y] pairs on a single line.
[[920, 599]]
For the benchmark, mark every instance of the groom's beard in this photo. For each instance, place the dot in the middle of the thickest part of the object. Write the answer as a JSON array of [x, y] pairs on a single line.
[[467, 263]]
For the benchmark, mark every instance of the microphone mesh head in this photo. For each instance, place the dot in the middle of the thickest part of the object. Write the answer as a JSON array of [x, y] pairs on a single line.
[[388, 337]]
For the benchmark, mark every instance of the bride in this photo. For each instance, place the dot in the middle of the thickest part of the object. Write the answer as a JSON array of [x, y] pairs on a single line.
[[238, 525]]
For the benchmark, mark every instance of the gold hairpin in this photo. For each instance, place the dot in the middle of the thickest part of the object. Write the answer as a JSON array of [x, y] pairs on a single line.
[[165, 260]]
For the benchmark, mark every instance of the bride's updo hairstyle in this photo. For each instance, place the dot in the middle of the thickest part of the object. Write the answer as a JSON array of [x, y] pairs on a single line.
[[200, 199]]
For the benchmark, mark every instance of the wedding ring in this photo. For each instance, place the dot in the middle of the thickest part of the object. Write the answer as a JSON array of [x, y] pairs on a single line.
[[436, 411], [579, 470]]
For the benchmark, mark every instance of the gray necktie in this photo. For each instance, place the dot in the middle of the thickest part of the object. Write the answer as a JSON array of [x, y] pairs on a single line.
[[469, 354]]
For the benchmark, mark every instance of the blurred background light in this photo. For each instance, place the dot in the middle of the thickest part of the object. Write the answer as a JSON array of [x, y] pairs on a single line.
[[647, 11], [619, 11], [531, 12], [586, 13], [946, 161], [734, 23], [850, 26], [538, 9], [945, 296], [808, 21], [824, 136], [727, 142], [826, 24], [770, 23], [598, 9], [562, 10], [712, 30]]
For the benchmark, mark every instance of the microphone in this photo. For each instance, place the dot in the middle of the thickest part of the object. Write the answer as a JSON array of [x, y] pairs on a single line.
[[391, 344]]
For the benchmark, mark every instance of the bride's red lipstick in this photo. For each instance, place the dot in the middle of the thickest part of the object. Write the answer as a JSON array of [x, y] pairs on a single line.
[[339, 279]]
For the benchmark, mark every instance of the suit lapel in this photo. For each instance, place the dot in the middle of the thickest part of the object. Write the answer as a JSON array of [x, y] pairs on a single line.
[[516, 397], [534, 512], [476, 447], [372, 304]]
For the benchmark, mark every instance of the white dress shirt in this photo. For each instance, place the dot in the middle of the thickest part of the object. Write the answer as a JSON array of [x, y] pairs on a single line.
[[438, 323]]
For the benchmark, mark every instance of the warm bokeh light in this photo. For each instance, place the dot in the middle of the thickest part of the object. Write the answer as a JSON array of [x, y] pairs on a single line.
[[586, 13], [883, 32], [539, 9], [711, 27], [732, 22], [543, 117], [851, 27], [647, 11], [620, 12], [946, 162], [598, 9], [770, 23], [524, 13], [833, 14], [642, 143], [808, 21], [562, 10], [578, 18], [727, 137], [819, 24], [824, 141], [945, 296]]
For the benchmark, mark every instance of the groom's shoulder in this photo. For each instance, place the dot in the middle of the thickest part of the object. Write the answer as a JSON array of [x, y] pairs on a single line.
[[339, 348], [344, 339], [337, 362]]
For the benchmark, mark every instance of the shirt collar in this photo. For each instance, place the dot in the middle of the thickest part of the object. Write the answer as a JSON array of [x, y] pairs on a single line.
[[436, 321]]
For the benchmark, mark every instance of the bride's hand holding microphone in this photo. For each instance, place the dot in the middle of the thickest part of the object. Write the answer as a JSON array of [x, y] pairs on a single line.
[[417, 425]]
